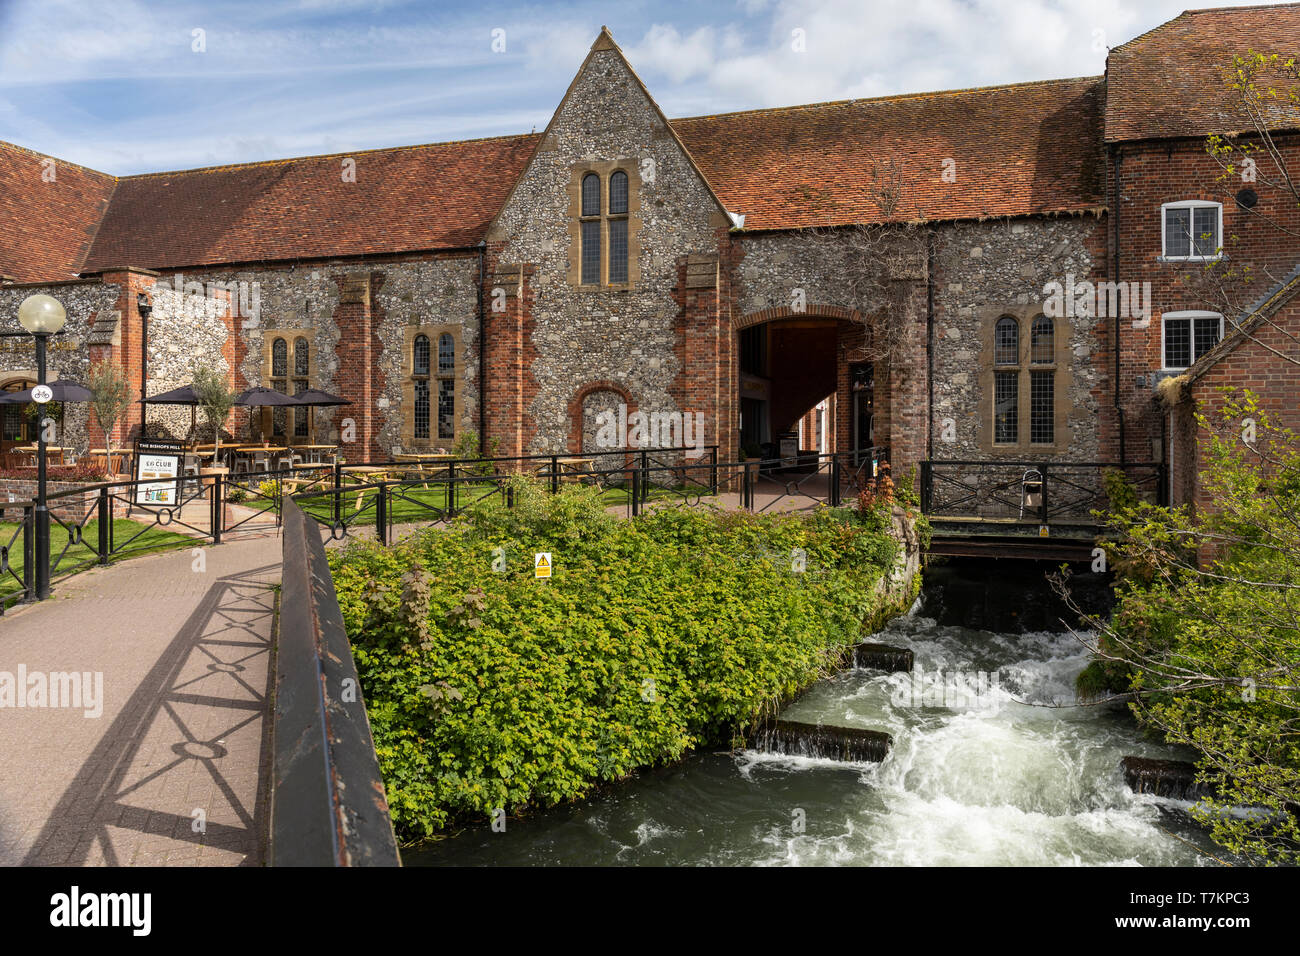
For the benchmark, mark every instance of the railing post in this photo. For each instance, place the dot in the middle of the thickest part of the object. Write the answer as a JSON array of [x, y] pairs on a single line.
[[381, 514], [747, 488], [645, 476], [510, 496], [105, 516], [338, 491], [713, 471], [218, 512], [29, 553], [835, 481], [927, 479], [1042, 470], [636, 491]]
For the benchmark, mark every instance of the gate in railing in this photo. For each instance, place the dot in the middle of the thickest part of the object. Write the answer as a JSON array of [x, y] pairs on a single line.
[[987, 495]]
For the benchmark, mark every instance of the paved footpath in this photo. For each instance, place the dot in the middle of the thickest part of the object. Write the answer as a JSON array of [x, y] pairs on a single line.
[[171, 771]]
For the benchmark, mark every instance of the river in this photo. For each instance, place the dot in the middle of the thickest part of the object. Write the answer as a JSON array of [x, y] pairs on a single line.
[[997, 780]]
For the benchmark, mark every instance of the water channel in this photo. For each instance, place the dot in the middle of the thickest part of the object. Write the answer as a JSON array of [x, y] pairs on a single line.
[[1002, 780]]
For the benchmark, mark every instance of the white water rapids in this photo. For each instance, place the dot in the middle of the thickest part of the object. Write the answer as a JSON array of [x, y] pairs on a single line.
[[1009, 784]]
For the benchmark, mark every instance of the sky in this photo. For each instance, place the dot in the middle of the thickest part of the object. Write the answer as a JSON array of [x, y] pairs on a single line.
[[131, 86]]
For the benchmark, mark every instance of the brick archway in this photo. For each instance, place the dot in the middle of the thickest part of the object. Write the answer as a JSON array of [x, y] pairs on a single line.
[[576, 418], [811, 311]]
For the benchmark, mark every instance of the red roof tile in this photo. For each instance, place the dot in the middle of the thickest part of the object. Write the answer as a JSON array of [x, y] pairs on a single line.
[[1015, 150], [418, 197], [47, 225], [1169, 82]]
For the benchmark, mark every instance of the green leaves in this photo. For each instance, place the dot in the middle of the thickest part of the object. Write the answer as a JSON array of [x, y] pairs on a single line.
[[490, 689]]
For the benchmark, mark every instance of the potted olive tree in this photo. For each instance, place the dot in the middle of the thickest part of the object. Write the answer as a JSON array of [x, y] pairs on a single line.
[[215, 401], [110, 397]]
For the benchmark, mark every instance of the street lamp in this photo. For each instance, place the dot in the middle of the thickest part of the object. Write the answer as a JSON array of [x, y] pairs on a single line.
[[41, 316]]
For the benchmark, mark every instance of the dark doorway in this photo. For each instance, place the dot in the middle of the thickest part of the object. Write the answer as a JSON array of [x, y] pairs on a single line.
[[862, 384]]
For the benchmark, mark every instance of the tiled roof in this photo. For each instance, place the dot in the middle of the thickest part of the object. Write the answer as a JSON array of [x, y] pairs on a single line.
[[419, 197], [1015, 150], [47, 224], [1169, 82]]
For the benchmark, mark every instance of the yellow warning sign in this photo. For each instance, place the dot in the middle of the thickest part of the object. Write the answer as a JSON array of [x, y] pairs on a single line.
[[542, 564], [1042, 531]]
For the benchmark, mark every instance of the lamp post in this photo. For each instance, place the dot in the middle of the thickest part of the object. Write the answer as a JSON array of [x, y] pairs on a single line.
[[41, 316]]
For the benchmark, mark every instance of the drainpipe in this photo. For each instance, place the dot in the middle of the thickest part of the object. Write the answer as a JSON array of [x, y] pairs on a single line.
[[1115, 160], [482, 356], [929, 342]]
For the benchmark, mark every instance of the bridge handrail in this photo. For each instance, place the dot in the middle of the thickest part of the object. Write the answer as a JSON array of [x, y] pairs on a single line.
[[328, 806]]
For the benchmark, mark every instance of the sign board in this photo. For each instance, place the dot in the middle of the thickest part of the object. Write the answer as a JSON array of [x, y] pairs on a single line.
[[161, 460], [1042, 531], [542, 564], [789, 444], [42, 394]]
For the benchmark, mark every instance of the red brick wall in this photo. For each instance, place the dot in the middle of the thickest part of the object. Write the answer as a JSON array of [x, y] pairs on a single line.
[[1252, 365], [1150, 174]]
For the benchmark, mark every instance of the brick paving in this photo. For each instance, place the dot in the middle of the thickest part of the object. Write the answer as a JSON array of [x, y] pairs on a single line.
[[185, 656]]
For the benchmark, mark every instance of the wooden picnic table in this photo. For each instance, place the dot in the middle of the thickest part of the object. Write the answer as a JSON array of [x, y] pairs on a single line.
[[54, 452], [373, 472], [571, 468], [423, 459]]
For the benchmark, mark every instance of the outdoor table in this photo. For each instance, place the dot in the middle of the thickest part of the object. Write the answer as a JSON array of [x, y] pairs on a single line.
[[52, 452], [291, 484], [375, 472], [421, 459], [574, 466], [316, 450]]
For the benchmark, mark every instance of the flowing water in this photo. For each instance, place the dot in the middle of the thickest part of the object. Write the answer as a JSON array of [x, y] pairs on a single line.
[[997, 779]]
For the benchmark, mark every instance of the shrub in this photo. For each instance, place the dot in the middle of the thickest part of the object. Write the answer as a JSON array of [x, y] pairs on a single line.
[[492, 689]]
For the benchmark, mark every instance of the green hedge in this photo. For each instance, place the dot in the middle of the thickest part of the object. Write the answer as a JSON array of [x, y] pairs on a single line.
[[494, 690]]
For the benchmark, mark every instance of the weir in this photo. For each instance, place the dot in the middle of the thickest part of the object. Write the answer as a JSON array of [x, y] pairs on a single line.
[[832, 743]]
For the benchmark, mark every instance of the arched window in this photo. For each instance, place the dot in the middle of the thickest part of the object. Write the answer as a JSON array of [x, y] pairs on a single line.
[[279, 382], [590, 195], [590, 226], [1042, 341], [1006, 342], [446, 386], [420, 372], [618, 227], [301, 382]]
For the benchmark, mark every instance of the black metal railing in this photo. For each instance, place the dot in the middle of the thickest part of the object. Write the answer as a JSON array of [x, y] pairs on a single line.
[[328, 805], [1030, 492], [17, 584], [635, 479]]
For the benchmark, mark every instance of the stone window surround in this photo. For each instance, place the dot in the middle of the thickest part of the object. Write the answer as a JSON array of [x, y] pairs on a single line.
[[409, 441], [604, 169], [1063, 380], [266, 420]]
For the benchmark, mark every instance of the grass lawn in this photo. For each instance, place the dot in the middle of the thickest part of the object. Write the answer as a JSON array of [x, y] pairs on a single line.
[[150, 538]]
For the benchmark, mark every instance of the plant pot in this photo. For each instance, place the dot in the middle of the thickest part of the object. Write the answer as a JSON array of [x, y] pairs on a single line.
[[209, 474]]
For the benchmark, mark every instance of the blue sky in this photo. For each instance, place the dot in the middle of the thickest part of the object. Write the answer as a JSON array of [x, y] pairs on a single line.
[[128, 86]]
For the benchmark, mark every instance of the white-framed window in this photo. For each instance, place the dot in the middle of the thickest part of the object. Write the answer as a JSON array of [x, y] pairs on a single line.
[[1191, 229], [1186, 336]]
